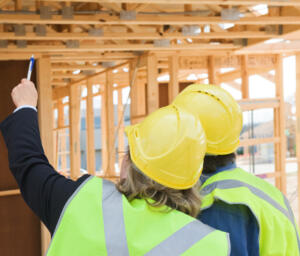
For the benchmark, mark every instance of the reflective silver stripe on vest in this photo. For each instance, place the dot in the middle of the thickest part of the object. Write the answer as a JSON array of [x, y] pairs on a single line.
[[115, 233], [287, 204], [113, 220], [228, 184], [182, 240]]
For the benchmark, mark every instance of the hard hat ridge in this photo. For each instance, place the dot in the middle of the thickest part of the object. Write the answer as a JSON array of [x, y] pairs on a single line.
[[169, 146]]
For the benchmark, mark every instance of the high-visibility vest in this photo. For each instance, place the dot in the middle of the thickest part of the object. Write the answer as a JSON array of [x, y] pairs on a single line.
[[278, 233], [99, 220]]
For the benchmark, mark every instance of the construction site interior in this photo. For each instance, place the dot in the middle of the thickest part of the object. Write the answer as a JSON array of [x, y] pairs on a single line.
[[102, 65]]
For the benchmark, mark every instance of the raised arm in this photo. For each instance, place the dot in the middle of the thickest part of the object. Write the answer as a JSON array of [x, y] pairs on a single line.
[[44, 190]]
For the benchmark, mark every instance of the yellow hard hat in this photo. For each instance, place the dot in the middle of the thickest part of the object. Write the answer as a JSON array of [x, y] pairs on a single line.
[[169, 146], [220, 116]]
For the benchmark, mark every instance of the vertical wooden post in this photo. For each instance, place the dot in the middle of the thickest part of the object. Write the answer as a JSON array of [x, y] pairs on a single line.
[[134, 106], [298, 125], [121, 139], [245, 77], [46, 124], [74, 112], [173, 88], [279, 119], [108, 126], [104, 152], [62, 135], [90, 136], [137, 94], [212, 79], [18, 5], [152, 86], [55, 134], [60, 132]]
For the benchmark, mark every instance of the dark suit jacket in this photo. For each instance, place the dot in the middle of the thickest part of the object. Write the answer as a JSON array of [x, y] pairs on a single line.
[[43, 189]]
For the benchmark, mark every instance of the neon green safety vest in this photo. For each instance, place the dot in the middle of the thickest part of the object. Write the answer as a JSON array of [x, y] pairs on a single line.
[[278, 234], [99, 220]]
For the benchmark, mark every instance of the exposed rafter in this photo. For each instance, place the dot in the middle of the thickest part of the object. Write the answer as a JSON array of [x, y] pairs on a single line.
[[142, 19], [135, 36], [212, 2]]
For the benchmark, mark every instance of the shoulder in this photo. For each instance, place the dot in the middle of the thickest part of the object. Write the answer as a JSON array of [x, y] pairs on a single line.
[[238, 221]]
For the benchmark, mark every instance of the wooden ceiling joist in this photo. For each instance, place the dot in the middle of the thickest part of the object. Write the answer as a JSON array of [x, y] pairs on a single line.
[[107, 56], [114, 47], [57, 67], [197, 2], [143, 19], [136, 36]]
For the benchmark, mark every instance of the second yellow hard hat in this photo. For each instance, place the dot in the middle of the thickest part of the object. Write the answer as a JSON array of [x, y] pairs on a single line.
[[169, 147], [219, 113]]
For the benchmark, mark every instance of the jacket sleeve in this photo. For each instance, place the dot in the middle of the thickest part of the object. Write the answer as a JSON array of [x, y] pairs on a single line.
[[239, 222], [43, 189]]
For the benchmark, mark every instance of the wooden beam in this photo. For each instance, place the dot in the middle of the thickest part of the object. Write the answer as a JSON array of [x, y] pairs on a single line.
[[117, 47], [257, 141], [121, 137], [59, 36], [152, 84], [211, 2], [245, 77], [62, 147], [143, 19], [212, 79], [276, 48], [59, 93], [90, 130], [12, 192], [252, 104], [101, 56], [66, 75], [298, 124], [173, 87], [18, 5], [74, 117], [279, 119], [134, 106], [98, 74], [232, 75], [268, 76], [108, 128], [45, 124], [59, 67]]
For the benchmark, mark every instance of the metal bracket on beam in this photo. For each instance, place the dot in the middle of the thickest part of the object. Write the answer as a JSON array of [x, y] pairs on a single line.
[[3, 43], [240, 42], [40, 30], [67, 12], [88, 72], [20, 30], [138, 53], [108, 64], [271, 29], [162, 43], [72, 44], [280, 29], [21, 43], [230, 14], [128, 15], [96, 32], [191, 30], [67, 80], [45, 12]]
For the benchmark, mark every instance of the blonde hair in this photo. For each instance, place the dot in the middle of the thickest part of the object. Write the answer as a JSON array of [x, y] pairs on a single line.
[[137, 185]]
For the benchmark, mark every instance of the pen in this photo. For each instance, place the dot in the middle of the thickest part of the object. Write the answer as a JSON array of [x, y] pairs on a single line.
[[31, 63]]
